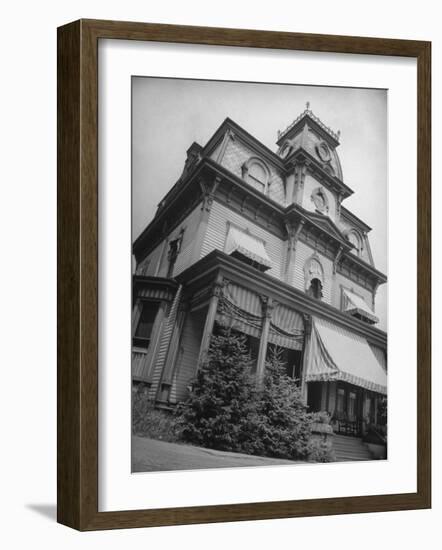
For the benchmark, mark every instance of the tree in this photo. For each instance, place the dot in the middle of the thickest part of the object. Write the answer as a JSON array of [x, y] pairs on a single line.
[[222, 397], [282, 423]]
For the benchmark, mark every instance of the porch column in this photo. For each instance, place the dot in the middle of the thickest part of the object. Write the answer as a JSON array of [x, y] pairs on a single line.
[[306, 355], [375, 408], [210, 319], [267, 318]]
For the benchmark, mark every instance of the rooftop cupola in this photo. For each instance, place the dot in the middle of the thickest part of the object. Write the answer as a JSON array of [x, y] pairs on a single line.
[[309, 133]]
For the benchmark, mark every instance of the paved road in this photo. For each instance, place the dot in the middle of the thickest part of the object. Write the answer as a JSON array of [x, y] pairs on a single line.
[[150, 455]]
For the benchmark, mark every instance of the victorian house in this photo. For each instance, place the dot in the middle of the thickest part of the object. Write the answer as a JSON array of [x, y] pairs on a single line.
[[261, 240]]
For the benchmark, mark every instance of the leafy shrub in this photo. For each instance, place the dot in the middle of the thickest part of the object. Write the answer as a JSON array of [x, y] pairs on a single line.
[[150, 422], [320, 450]]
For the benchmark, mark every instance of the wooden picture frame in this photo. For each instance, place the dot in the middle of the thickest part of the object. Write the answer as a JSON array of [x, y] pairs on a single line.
[[77, 460]]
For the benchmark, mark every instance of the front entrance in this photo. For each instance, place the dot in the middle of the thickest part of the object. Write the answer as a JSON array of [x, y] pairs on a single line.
[[348, 411]]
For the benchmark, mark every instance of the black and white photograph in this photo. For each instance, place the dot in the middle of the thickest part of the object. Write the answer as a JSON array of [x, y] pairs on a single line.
[[259, 274]]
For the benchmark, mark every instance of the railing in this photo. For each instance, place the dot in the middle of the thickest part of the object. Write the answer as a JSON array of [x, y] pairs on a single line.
[[347, 426]]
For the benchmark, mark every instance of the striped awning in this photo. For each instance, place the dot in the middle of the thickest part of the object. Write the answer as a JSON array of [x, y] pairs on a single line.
[[248, 246], [240, 309], [286, 328], [338, 354], [356, 304]]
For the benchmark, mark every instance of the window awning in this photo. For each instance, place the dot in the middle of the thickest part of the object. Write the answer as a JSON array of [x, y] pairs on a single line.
[[356, 304], [247, 245], [338, 354]]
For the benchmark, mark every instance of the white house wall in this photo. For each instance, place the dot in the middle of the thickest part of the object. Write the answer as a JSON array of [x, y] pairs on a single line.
[[184, 259], [216, 234]]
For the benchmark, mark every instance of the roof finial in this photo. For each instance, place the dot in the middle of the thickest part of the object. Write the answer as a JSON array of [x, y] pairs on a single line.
[[307, 105]]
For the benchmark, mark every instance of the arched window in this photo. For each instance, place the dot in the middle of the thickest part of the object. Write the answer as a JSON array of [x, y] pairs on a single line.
[[256, 174], [315, 289], [314, 277], [356, 240]]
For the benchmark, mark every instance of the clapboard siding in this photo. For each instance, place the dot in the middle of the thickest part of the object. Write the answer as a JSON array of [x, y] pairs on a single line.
[[190, 224], [151, 265], [340, 280], [302, 255], [216, 234], [237, 153], [188, 353]]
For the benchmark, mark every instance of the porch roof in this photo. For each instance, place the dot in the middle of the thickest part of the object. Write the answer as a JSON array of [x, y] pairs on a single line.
[[337, 354]]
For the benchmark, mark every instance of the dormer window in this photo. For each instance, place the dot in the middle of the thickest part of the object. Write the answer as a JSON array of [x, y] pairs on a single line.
[[356, 240], [256, 174], [315, 289], [314, 278]]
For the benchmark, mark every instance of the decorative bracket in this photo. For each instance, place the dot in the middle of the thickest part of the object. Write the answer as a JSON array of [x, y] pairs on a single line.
[[267, 306], [208, 191], [337, 258]]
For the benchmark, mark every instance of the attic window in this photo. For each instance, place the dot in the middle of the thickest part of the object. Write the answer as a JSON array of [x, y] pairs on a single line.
[[354, 238], [256, 174]]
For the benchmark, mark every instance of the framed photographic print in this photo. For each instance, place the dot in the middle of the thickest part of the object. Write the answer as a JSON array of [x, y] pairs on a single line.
[[243, 275]]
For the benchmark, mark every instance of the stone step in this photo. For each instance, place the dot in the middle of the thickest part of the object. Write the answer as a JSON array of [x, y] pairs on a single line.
[[349, 448]]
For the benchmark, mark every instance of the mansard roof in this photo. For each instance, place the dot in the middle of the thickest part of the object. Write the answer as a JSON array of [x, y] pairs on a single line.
[[249, 139], [345, 213]]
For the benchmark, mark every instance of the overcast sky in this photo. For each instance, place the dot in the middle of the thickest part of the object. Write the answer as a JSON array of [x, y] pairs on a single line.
[[169, 114]]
